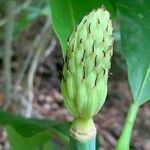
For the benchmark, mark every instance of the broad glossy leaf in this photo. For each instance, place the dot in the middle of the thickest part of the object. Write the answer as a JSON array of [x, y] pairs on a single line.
[[25, 127], [41, 140], [28, 128], [135, 36], [66, 14]]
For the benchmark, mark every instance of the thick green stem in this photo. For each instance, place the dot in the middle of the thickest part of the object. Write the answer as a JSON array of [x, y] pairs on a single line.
[[78, 145], [124, 140], [83, 134]]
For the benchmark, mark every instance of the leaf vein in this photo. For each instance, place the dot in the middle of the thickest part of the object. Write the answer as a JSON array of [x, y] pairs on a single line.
[[143, 83]]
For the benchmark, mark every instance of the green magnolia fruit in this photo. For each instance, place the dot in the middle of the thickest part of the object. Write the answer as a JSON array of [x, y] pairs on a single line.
[[85, 72]]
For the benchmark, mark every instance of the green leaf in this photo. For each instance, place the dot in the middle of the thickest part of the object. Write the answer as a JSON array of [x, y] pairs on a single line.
[[35, 128], [39, 141], [66, 14], [25, 127], [135, 35]]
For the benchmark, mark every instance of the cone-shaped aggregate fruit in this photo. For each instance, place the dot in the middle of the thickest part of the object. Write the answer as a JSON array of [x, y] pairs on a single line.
[[85, 72]]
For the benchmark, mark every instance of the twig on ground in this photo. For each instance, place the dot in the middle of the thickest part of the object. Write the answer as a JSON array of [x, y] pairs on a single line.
[[8, 53], [36, 41], [18, 93], [47, 53], [50, 48], [33, 67]]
